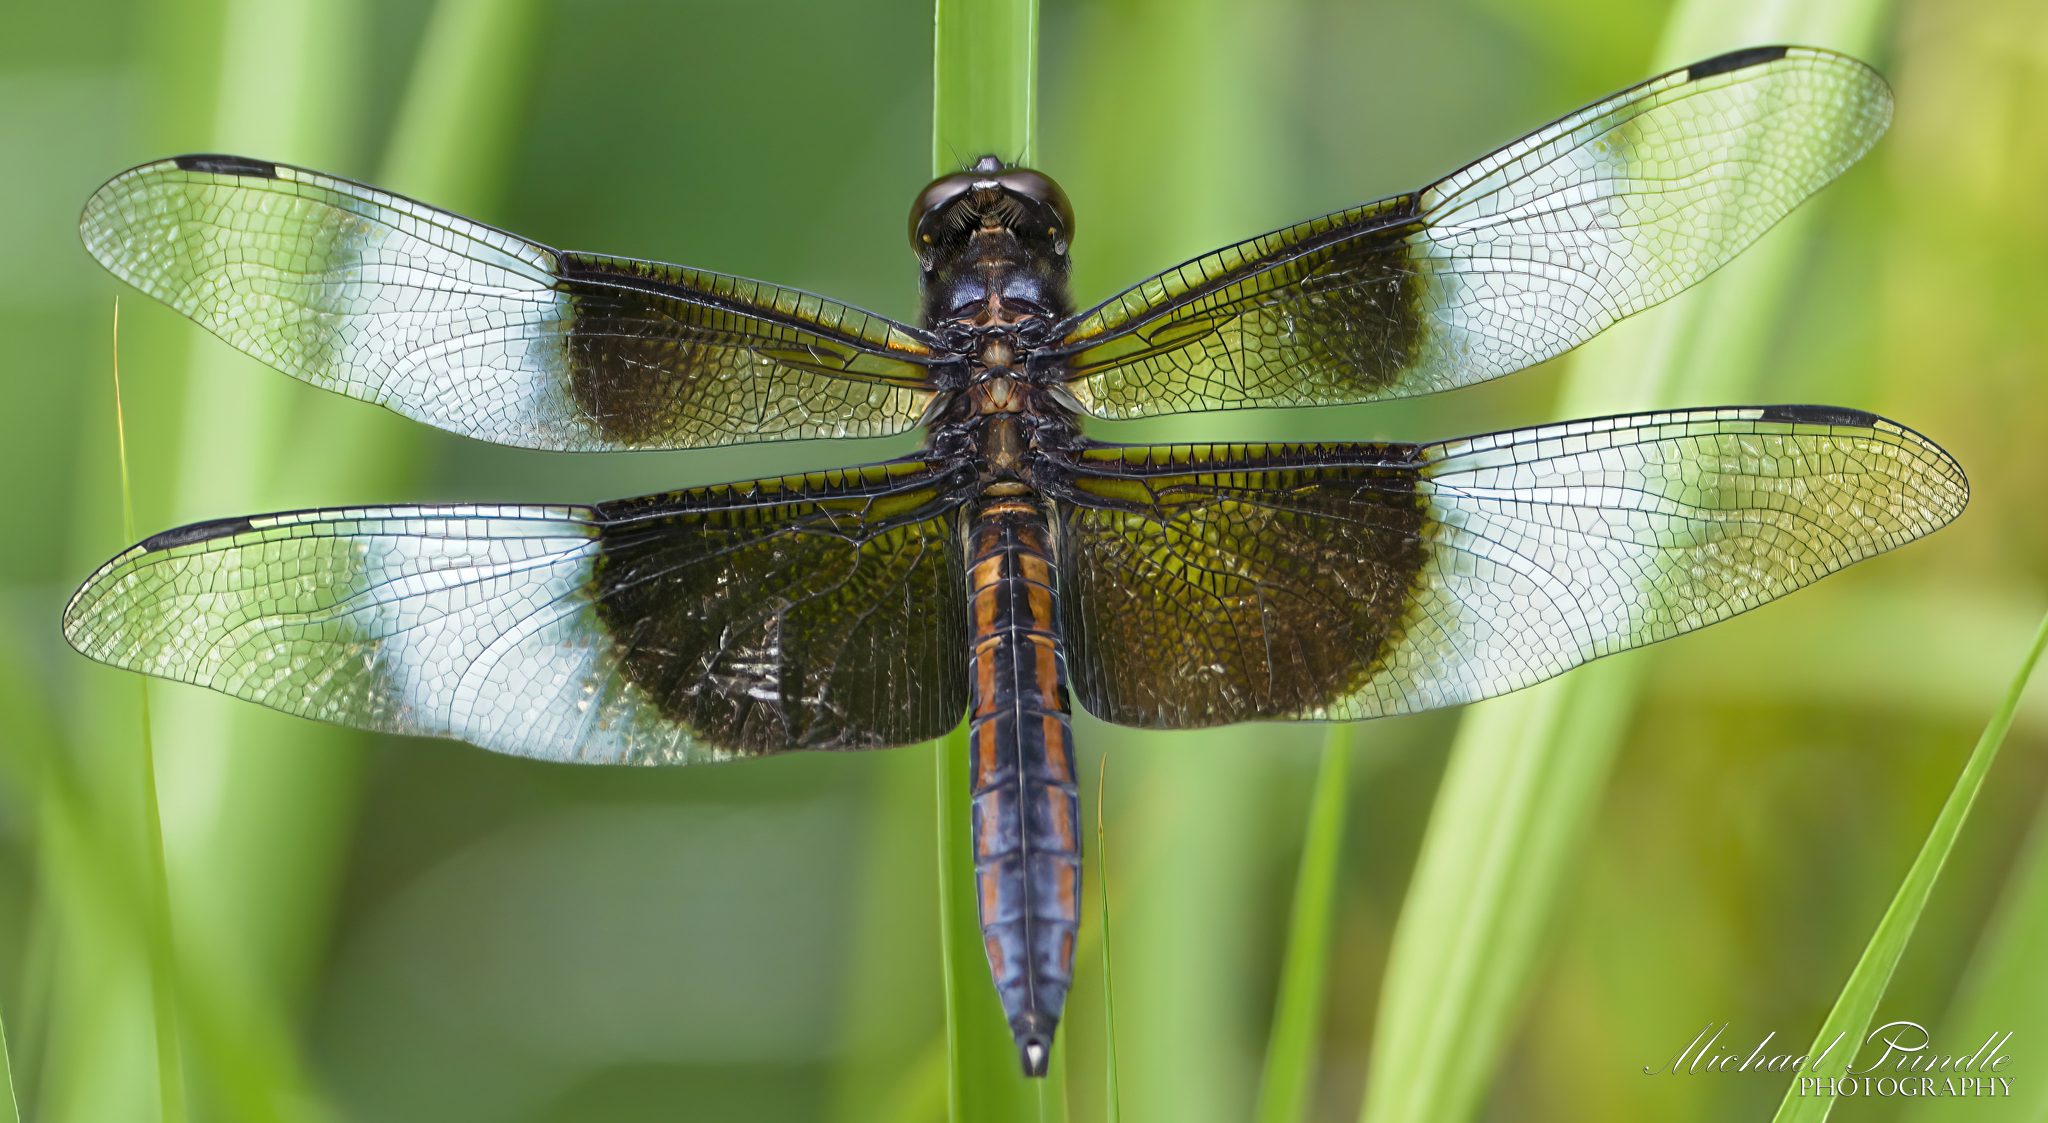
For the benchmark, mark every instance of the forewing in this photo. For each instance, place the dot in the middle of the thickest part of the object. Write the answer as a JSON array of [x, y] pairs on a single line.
[[1519, 257], [486, 334], [1216, 583], [812, 612]]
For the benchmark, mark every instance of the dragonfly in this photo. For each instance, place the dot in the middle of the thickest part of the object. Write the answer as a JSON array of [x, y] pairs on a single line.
[[1012, 566]]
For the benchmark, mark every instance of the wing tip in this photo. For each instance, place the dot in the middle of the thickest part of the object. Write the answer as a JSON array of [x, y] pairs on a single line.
[[1845, 417], [102, 230], [78, 610]]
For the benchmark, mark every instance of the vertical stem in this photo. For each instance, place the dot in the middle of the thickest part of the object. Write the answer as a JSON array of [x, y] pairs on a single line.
[[1112, 1091], [10, 1105], [1286, 1086], [984, 82], [163, 957], [984, 101]]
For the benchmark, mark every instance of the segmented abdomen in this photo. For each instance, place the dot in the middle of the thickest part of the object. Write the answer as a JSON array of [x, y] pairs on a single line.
[[1027, 843]]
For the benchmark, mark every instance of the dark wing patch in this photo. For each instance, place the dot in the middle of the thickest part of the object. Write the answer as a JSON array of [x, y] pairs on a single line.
[[823, 611], [1734, 60], [1518, 257], [195, 532], [1219, 583], [813, 612], [490, 335], [1207, 584], [227, 165]]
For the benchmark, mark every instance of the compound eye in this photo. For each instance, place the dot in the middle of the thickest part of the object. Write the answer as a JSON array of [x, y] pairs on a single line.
[[1040, 188], [932, 203]]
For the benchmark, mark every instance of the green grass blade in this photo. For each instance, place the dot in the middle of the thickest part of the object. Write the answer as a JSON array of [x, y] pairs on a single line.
[[163, 958], [1521, 786], [1286, 1089], [456, 132], [1850, 1019], [2001, 991], [1199, 821], [984, 100], [892, 1058], [984, 82], [1527, 771], [12, 1104], [1112, 1096]]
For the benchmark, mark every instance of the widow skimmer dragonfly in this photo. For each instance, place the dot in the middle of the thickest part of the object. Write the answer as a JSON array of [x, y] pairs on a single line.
[[1011, 565]]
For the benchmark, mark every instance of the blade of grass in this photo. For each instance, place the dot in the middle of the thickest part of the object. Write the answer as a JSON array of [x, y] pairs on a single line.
[[12, 1105], [163, 959], [279, 795], [1853, 1011], [458, 126], [1526, 771], [892, 1057], [1113, 1108], [96, 892], [984, 101], [2001, 992], [1286, 1085], [984, 82]]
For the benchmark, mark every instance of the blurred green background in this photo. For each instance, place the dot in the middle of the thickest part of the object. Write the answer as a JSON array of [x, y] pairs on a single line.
[[379, 929]]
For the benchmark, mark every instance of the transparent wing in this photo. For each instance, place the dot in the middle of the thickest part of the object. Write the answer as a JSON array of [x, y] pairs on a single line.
[[486, 334], [1519, 257], [812, 612], [1217, 583]]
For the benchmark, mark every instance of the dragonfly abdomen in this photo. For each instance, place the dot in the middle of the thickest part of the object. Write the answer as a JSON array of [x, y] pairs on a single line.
[[1027, 848]]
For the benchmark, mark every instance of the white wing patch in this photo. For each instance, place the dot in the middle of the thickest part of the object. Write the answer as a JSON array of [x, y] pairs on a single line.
[[465, 622], [1538, 247], [1553, 546]]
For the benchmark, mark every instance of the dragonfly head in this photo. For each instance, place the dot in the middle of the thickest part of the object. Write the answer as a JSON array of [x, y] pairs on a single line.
[[992, 242], [988, 198]]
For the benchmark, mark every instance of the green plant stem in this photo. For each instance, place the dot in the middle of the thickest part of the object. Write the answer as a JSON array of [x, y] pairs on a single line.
[[2001, 992], [1112, 1095], [163, 958], [984, 82], [893, 1063], [1854, 1009], [984, 1081], [1286, 1085], [984, 98], [11, 1105]]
